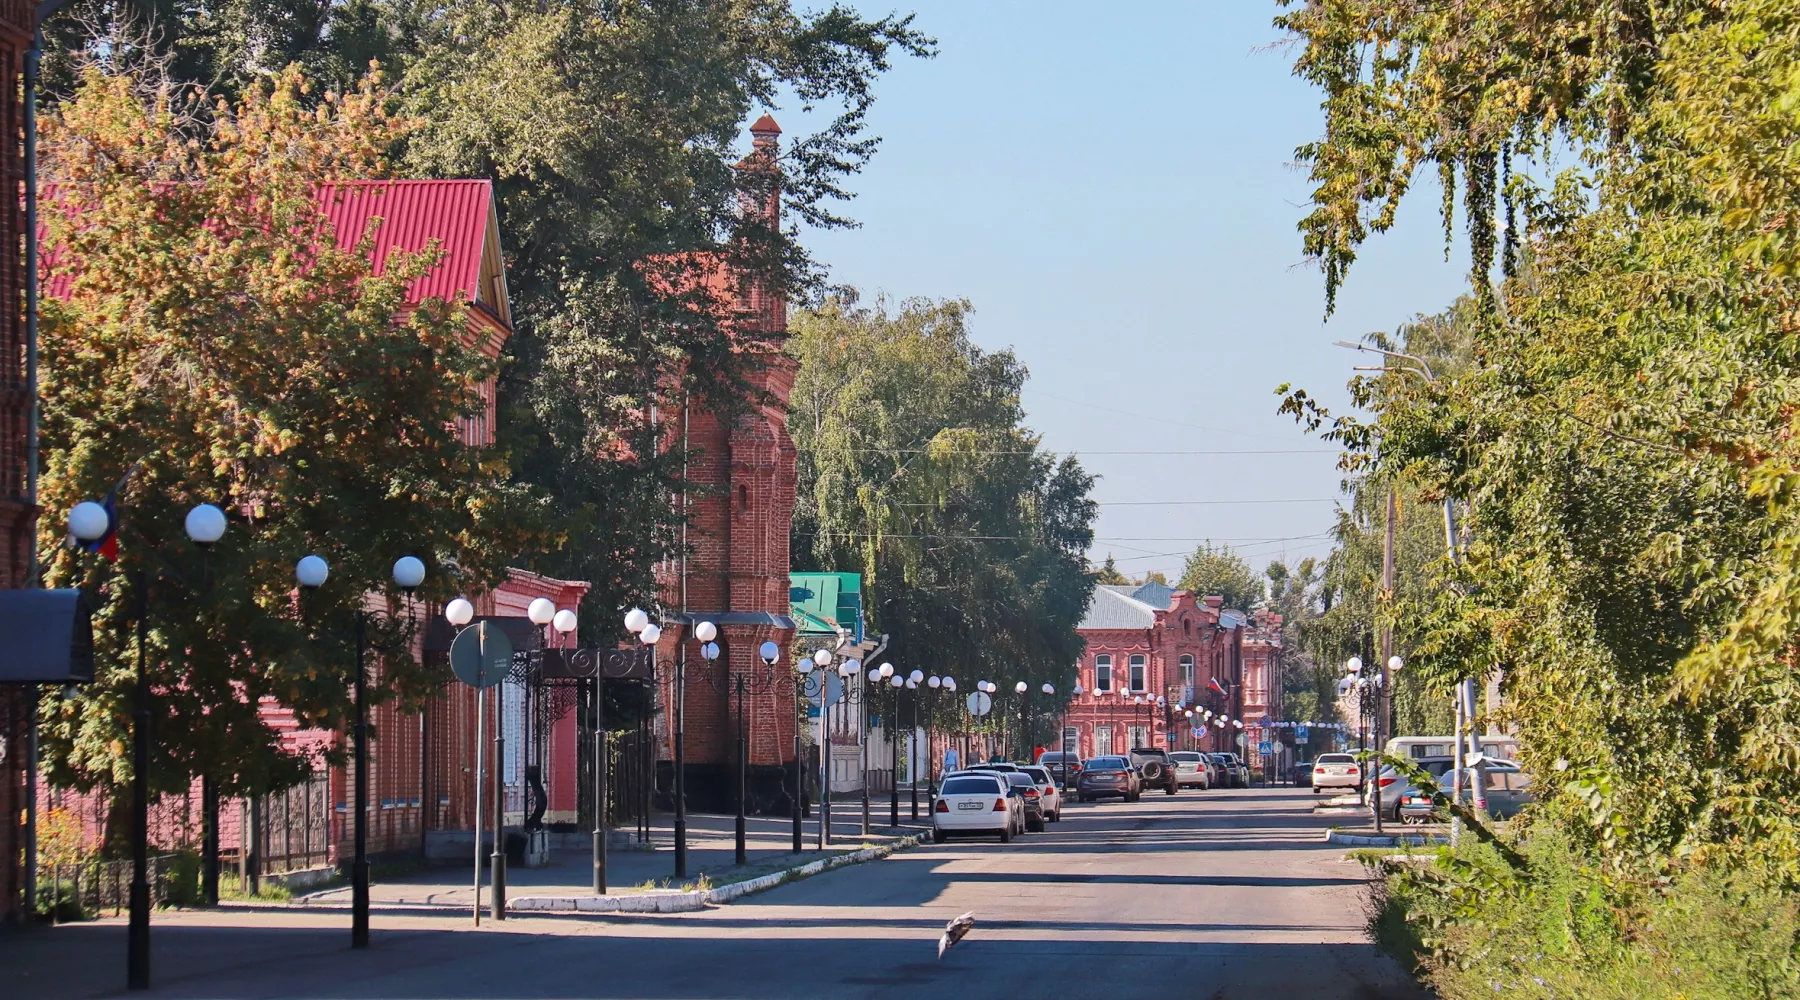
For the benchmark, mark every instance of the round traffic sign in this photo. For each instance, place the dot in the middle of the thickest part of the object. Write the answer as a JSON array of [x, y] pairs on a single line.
[[480, 656], [979, 703]]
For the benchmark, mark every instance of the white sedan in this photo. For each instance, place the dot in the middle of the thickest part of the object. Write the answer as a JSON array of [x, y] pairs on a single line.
[[1336, 770], [1049, 794], [976, 803]]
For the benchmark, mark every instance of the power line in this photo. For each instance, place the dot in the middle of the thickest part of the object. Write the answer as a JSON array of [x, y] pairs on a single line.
[[1145, 416]]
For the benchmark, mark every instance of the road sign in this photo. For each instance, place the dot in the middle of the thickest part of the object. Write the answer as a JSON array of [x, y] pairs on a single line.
[[1300, 734], [480, 656], [1243, 740], [1265, 748], [979, 703]]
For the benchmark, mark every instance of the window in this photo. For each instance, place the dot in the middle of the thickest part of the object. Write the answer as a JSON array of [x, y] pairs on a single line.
[[1102, 741], [1103, 673], [1187, 670], [1140, 736], [970, 785], [1137, 672]]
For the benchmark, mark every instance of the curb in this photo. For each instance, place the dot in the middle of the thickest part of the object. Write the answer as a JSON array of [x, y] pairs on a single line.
[[1393, 840], [700, 899]]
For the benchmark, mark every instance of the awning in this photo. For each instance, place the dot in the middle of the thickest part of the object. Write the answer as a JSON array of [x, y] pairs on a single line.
[[46, 637]]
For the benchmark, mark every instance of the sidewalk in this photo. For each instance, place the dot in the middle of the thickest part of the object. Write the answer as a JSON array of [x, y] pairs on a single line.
[[710, 863]]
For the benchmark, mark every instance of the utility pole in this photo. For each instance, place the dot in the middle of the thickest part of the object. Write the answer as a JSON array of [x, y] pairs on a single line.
[[1384, 694]]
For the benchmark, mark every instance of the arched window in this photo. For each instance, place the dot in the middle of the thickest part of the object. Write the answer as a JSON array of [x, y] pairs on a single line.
[[1103, 672], [1138, 660], [1187, 670]]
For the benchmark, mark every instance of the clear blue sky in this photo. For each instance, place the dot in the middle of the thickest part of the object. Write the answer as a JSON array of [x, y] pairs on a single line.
[[1112, 186]]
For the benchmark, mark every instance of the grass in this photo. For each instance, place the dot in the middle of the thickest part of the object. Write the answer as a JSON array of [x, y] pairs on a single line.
[[268, 890], [1568, 928]]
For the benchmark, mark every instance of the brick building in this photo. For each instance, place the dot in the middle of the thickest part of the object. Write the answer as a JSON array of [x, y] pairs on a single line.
[[1147, 641], [740, 509], [1263, 664], [421, 763], [18, 514]]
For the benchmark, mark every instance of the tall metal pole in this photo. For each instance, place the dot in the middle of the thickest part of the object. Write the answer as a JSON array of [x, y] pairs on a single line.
[[1387, 649], [862, 737], [137, 956], [680, 760], [209, 847], [823, 735], [743, 852], [912, 753], [359, 866], [480, 748], [799, 763], [497, 854], [893, 727], [600, 767]]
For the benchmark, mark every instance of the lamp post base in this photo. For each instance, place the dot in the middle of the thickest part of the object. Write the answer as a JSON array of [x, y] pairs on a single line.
[[359, 904], [137, 949]]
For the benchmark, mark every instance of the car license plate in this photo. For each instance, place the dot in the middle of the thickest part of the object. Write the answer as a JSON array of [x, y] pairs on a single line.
[[969, 805]]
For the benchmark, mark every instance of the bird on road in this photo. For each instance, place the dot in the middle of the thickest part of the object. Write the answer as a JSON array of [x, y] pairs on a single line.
[[954, 931]]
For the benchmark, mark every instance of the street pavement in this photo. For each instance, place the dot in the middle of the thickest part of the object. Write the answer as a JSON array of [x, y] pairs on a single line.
[[1218, 895], [712, 854]]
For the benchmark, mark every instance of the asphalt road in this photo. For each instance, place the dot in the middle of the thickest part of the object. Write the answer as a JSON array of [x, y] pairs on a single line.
[[1213, 895]]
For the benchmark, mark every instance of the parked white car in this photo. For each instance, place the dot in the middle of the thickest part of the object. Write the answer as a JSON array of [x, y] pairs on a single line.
[[1190, 769], [1336, 770], [976, 803], [1049, 795]]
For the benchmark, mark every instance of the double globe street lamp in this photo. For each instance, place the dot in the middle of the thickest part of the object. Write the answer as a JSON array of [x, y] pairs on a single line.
[[89, 524], [408, 573]]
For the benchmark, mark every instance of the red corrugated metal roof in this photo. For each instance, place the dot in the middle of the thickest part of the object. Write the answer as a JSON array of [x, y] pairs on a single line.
[[412, 214]]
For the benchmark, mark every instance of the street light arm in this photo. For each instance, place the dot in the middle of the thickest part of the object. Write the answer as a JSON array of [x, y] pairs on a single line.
[[1415, 359]]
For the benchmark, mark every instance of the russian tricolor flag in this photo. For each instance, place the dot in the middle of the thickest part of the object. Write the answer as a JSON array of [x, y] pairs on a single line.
[[1213, 682]]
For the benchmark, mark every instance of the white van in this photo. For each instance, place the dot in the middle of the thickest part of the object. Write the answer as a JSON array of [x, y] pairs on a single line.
[[1414, 747]]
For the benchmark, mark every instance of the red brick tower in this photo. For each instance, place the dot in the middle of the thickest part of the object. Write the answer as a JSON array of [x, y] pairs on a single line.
[[740, 510]]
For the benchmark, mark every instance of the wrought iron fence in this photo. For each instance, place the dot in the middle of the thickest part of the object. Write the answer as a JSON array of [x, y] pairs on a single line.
[[630, 771], [82, 889], [291, 828]]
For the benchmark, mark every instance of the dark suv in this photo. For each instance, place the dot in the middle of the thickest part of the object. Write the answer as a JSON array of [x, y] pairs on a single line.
[[1064, 767], [1157, 770]]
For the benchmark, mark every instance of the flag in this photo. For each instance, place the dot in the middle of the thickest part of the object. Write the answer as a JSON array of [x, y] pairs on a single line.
[[1213, 682], [107, 545]]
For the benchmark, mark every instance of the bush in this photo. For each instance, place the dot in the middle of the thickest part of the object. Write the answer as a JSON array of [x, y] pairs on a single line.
[[1474, 928]]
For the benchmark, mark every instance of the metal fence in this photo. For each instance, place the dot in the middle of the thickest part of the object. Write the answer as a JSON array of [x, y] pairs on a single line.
[[631, 771], [82, 889], [292, 828]]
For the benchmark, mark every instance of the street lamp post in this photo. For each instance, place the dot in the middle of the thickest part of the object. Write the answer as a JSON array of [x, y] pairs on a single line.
[[1068, 771], [852, 695], [803, 684], [408, 572], [89, 522], [1023, 690], [913, 680], [896, 682], [649, 633]]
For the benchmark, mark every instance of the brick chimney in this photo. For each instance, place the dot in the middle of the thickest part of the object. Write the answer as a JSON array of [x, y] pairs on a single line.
[[761, 197]]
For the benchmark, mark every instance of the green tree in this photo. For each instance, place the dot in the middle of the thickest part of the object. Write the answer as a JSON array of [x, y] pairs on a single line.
[[213, 339], [612, 131], [916, 470], [1218, 571], [1109, 573], [1622, 430]]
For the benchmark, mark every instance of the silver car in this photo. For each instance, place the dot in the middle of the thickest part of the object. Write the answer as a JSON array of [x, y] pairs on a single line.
[[1395, 786], [1507, 789], [1192, 768]]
